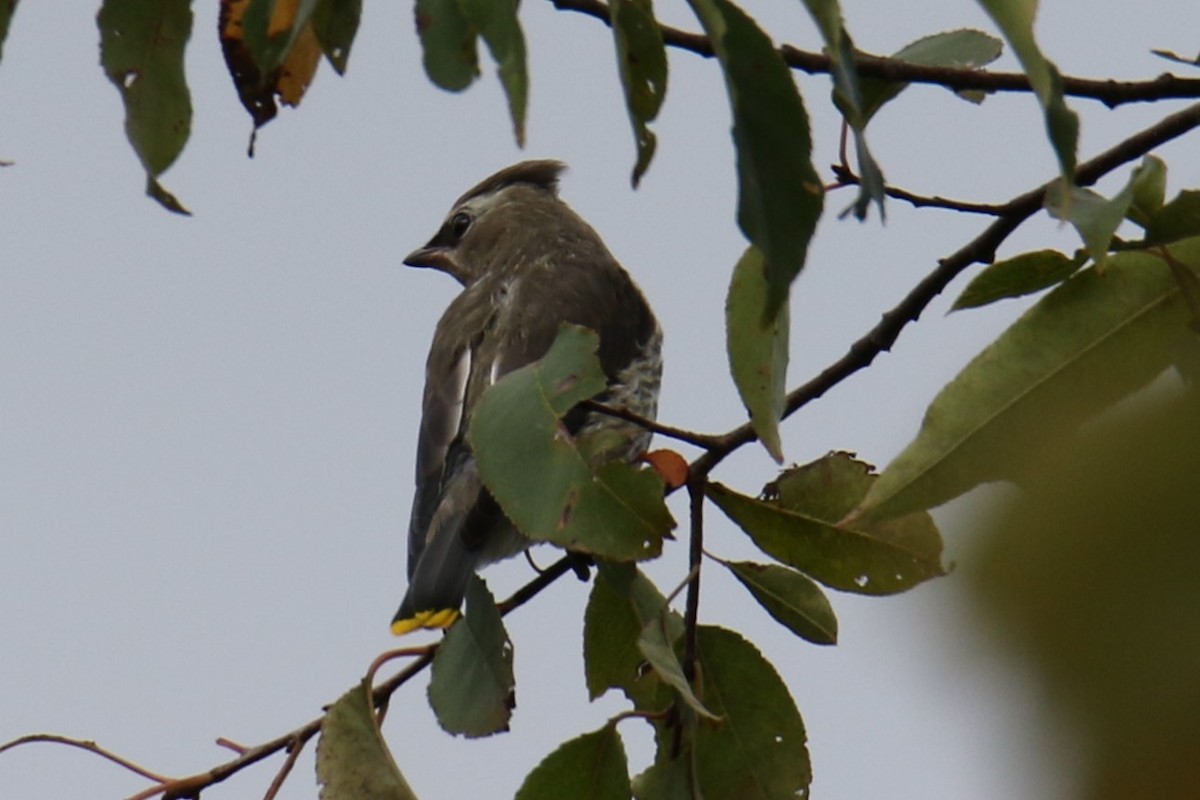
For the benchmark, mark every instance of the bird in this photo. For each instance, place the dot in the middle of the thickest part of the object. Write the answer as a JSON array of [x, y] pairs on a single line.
[[527, 264]]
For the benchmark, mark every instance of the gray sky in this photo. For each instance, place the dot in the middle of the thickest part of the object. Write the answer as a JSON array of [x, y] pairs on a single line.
[[207, 425]]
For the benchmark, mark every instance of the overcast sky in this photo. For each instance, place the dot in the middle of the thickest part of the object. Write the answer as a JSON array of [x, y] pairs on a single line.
[[207, 425]]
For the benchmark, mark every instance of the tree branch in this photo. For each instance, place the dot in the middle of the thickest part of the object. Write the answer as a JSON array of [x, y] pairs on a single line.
[[1112, 93], [293, 741], [981, 249]]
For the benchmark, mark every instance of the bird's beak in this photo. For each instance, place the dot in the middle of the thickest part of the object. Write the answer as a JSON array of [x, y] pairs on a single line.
[[427, 257], [436, 257]]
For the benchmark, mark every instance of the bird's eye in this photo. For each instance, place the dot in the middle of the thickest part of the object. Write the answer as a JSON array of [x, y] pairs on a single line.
[[459, 224]]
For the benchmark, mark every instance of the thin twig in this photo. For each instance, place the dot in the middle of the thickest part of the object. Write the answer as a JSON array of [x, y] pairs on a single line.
[[702, 440], [846, 177], [1111, 93], [84, 744], [284, 770], [691, 613]]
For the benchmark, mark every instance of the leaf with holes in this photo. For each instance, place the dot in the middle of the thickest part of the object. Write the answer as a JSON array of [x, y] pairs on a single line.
[[141, 50], [799, 525]]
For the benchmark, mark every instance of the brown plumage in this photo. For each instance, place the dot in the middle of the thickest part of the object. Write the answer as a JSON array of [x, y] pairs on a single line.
[[527, 263]]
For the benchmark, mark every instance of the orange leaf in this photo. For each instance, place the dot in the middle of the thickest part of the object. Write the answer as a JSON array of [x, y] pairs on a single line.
[[670, 465]]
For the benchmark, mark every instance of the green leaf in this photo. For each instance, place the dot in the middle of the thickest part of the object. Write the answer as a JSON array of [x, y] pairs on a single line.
[[537, 472], [759, 751], [961, 49], [791, 598], [799, 526], [779, 192], [1178, 219], [848, 98], [448, 44], [335, 23], [1090, 342], [1015, 19], [496, 21], [619, 607], [471, 689], [1149, 189], [7, 9], [757, 348], [1017, 276], [141, 50], [353, 761], [657, 644], [588, 767], [642, 64]]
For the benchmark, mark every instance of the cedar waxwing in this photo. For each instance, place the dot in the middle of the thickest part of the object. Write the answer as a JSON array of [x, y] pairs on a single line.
[[527, 264]]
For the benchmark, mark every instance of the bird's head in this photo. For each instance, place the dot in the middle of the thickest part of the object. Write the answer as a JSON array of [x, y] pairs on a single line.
[[497, 223]]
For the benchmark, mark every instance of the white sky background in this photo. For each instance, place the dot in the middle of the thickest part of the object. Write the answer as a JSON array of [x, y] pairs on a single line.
[[207, 425]]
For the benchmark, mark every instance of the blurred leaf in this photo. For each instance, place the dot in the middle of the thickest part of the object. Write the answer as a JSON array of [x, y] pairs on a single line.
[[779, 192], [497, 23], [353, 761], [448, 43], [1095, 217], [961, 49], [621, 604], [799, 527], [1178, 219], [471, 689], [1149, 189], [141, 49], [757, 348], [537, 473], [588, 767], [1170, 56], [642, 64], [848, 98], [335, 23], [7, 9], [1090, 342], [791, 598], [1089, 576], [1017, 276], [1015, 19], [759, 750]]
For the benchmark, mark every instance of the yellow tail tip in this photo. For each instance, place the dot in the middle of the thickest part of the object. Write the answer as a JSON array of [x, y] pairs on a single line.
[[436, 618]]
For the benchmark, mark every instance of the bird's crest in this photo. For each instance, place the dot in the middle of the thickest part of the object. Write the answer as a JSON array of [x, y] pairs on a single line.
[[543, 173]]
